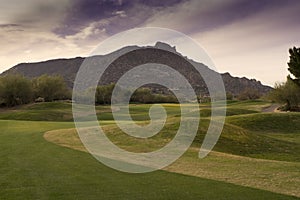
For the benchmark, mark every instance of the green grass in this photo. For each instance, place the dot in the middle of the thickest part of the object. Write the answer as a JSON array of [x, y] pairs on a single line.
[[269, 122], [267, 135], [60, 111], [233, 140], [33, 168], [246, 132], [54, 111], [238, 141]]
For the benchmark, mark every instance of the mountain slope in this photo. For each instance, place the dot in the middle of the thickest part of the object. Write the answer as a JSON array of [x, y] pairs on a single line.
[[134, 56]]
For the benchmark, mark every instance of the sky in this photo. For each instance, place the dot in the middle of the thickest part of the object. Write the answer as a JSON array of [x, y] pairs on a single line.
[[247, 38]]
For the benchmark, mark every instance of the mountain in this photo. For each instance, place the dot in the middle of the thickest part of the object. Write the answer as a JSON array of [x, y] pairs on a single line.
[[131, 56]]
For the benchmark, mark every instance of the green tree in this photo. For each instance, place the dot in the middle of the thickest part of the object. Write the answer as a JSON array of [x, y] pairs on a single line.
[[104, 93], [229, 96], [294, 64], [249, 94], [142, 95], [160, 98], [2, 101], [50, 88], [287, 93], [15, 89]]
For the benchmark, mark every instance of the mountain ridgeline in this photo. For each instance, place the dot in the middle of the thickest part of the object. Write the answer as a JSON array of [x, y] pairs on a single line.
[[133, 56]]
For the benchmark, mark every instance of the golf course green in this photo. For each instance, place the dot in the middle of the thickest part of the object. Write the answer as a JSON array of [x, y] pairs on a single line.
[[256, 157]]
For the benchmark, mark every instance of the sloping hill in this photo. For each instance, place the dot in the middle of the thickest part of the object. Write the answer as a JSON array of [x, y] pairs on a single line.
[[68, 68]]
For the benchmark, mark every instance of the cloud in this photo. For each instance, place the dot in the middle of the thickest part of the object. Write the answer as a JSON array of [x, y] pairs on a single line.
[[90, 36], [238, 34], [11, 28], [9, 25], [199, 16], [26, 31], [122, 15], [246, 38], [256, 46], [33, 13], [34, 45]]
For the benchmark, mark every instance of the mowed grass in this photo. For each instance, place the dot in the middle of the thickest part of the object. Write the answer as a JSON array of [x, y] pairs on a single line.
[[269, 122], [34, 168], [54, 111], [62, 111], [277, 176]]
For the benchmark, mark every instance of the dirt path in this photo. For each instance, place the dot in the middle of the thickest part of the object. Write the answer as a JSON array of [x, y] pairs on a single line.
[[271, 108]]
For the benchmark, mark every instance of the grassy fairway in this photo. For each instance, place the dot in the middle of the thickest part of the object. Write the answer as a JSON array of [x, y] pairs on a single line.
[[34, 168]]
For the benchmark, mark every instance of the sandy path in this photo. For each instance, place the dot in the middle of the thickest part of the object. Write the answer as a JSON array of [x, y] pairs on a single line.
[[271, 108]]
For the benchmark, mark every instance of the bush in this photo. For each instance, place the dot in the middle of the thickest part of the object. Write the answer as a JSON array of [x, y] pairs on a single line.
[[145, 95], [229, 96], [15, 89], [287, 93], [50, 88], [104, 93], [249, 94], [141, 95]]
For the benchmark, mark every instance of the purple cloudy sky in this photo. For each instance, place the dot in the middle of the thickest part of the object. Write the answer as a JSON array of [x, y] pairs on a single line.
[[244, 37]]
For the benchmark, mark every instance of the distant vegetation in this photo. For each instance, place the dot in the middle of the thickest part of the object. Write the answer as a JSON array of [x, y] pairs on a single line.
[[68, 68], [50, 88], [249, 94], [141, 95], [288, 93], [15, 89]]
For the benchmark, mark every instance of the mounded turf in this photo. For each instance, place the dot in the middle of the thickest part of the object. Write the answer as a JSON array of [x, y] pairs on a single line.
[[269, 122], [33, 168], [272, 175]]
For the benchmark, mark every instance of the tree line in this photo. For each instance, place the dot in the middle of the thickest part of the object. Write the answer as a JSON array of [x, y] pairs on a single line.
[[15, 89], [141, 95], [288, 93]]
